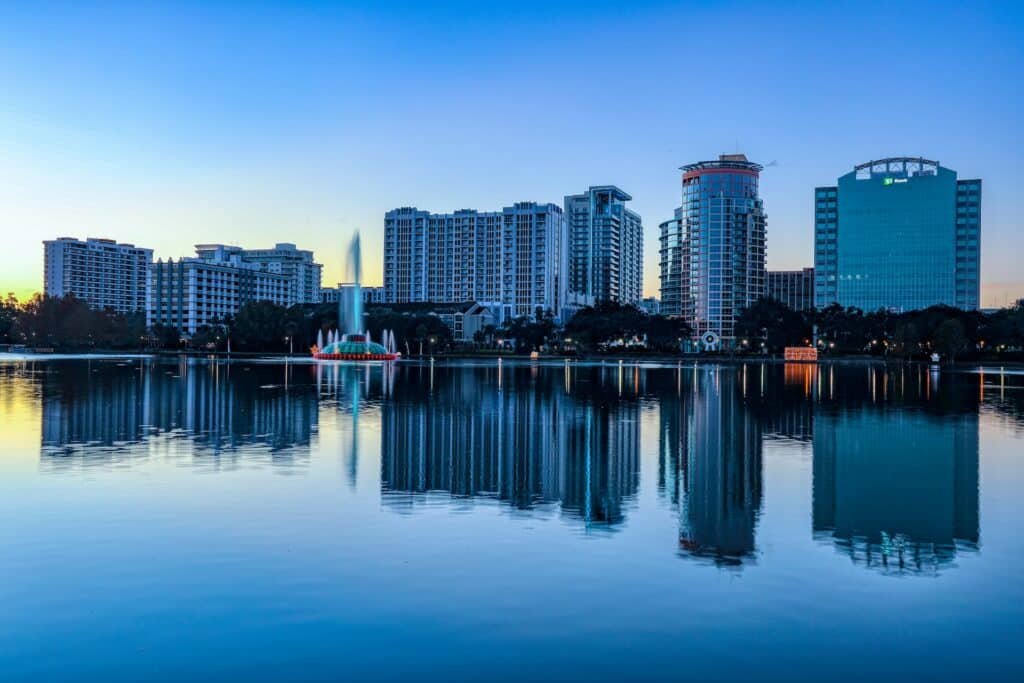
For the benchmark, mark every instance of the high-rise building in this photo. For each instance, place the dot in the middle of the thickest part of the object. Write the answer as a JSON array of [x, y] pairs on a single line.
[[674, 262], [606, 244], [795, 288], [297, 265], [722, 228], [194, 292], [898, 234], [100, 272], [513, 261]]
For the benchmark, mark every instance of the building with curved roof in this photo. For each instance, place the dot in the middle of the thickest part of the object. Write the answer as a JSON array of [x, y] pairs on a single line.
[[900, 234]]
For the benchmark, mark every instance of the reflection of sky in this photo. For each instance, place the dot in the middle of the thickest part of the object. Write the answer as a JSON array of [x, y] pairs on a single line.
[[250, 572]]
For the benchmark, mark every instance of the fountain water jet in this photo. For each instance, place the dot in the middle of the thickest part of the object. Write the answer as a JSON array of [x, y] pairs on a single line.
[[351, 342]]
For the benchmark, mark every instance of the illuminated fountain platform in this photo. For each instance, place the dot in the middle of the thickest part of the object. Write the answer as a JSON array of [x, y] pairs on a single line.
[[354, 347]]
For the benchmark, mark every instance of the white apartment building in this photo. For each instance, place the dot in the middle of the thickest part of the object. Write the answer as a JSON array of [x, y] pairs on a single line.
[[513, 261], [284, 259], [100, 272], [195, 292], [606, 246]]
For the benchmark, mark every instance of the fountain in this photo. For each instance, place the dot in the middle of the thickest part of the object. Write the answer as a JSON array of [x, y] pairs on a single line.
[[350, 341]]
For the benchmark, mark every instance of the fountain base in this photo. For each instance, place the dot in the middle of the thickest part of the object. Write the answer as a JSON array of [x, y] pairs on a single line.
[[354, 347]]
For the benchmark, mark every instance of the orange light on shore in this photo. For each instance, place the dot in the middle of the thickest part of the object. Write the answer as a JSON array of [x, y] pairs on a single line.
[[801, 354]]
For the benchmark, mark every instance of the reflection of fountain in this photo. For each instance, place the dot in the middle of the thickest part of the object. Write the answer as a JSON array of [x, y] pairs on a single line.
[[351, 341], [347, 387]]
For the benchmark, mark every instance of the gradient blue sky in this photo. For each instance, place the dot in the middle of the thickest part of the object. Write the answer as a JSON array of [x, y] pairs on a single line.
[[168, 124]]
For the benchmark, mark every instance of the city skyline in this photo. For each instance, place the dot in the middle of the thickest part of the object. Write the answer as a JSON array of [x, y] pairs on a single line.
[[229, 142]]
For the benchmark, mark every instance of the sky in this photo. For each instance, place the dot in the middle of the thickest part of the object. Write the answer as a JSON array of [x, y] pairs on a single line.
[[171, 124]]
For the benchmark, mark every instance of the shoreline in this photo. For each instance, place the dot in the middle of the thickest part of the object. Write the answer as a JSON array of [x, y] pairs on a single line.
[[688, 359]]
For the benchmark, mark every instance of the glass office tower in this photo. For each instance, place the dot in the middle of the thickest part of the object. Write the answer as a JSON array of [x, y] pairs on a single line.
[[723, 221], [899, 234]]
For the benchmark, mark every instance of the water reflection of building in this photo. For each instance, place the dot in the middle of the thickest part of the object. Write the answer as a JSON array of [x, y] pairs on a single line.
[[896, 465], [225, 409], [217, 406], [533, 443], [895, 453], [710, 456], [82, 407], [897, 490]]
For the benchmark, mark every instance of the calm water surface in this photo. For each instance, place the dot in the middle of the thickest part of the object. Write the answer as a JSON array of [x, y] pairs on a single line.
[[470, 521]]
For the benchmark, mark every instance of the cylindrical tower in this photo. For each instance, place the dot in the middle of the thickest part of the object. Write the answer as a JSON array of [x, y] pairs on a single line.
[[724, 223]]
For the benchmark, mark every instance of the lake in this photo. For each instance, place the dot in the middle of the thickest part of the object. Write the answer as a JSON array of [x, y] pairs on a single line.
[[474, 520]]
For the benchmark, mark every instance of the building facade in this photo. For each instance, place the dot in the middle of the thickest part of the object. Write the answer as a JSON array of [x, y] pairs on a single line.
[[465, 320], [722, 231], [100, 272], [650, 305], [795, 288], [605, 248], [513, 261], [899, 234], [284, 258], [674, 262], [330, 295], [191, 293], [371, 295]]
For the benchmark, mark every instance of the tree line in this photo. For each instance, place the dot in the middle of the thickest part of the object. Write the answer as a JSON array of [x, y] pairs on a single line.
[[770, 325], [67, 323]]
